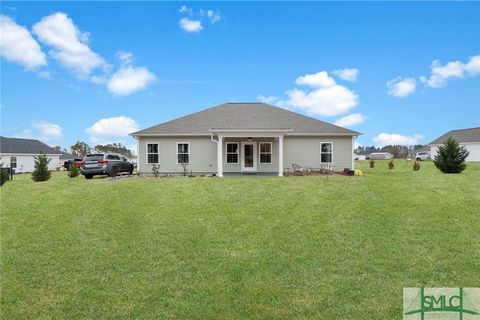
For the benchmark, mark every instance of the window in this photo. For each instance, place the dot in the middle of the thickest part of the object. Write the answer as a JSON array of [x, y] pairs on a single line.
[[232, 152], [152, 153], [113, 157], [13, 162], [265, 152], [183, 152], [326, 152]]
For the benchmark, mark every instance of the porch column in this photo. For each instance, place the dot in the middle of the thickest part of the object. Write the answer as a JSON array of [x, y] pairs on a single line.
[[220, 157], [280, 156]]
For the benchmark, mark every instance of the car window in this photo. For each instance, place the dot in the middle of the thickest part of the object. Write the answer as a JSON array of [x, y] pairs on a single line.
[[94, 157], [124, 159]]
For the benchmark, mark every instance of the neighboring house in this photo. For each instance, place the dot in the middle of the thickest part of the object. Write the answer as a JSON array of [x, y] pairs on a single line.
[[18, 154], [381, 156], [243, 138], [470, 138]]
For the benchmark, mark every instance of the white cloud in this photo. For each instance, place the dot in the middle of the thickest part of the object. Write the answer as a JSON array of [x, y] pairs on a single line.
[[384, 139], [111, 129], [125, 57], [17, 45], [128, 80], [190, 25], [43, 131], [453, 69], [399, 87], [213, 16], [350, 120], [268, 99], [185, 9], [69, 44], [319, 80], [326, 97], [347, 74], [44, 75]]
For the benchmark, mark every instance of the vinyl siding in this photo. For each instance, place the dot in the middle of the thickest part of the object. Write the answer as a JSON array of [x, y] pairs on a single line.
[[305, 151], [26, 163], [472, 147]]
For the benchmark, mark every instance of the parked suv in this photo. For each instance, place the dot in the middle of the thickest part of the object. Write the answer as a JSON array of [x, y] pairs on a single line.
[[75, 162], [423, 155], [104, 163]]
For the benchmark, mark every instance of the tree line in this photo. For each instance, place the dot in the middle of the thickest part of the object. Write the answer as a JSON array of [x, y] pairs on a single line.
[[80, 149], [398, 151]]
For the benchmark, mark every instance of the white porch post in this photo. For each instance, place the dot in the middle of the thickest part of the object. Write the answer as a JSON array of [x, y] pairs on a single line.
[[280, 156], [220, 156]]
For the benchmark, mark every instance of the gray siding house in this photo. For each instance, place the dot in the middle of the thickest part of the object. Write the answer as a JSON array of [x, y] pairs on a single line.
[[235, 138]]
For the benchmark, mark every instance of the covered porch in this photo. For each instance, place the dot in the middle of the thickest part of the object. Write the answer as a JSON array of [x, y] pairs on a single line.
[[249, 151]]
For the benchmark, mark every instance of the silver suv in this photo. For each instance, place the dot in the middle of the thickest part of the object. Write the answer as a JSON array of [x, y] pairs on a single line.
[[104, 163], [422, 155]]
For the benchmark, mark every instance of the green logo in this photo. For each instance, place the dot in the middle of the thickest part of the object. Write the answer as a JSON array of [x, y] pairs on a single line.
[[441, 303]]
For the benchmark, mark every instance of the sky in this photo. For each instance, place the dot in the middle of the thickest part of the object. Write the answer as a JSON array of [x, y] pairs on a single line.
[[399, 73]]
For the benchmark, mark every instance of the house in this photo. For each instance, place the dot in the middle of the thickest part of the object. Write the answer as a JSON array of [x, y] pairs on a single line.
[[235, 138], [19, 154], [469, 138], [381, 156]]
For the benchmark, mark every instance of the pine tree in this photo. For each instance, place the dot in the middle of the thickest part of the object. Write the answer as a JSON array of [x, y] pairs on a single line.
[[451, 157], [41, 172]]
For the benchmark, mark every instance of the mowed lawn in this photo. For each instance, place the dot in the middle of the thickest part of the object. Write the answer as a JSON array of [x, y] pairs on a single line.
[[236, 248]]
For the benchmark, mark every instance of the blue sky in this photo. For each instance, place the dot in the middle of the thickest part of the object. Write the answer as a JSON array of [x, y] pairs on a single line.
[[94, 71]]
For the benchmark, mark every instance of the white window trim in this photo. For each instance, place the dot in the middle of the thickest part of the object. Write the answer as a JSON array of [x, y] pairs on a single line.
[[326, 152], [237, 153], [147, 153], [176, 152], [260, 152]]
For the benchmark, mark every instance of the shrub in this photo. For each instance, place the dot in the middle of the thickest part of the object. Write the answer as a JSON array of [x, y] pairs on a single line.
[[372, 163], [416, 165], [451, 157], [73, 171], [391, 165], [156, 170], [41, 172]]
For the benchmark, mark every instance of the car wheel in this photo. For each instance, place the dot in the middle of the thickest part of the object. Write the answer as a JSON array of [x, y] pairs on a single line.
[[88, 176], [113, 172], [419, 159], [131, 170]]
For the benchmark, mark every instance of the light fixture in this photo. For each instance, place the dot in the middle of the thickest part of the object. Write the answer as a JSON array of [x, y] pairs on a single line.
[[249, 139]]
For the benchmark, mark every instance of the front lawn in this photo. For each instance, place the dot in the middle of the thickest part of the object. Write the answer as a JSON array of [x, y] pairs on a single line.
[[236, 248]]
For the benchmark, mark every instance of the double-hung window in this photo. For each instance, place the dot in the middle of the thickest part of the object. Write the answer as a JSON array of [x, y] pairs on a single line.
[[265, 152], [326, 152], [152, 153], [183, 152], [13, 162], [232, 152]]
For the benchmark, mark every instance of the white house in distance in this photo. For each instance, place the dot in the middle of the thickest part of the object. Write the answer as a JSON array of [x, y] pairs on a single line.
[[470, 138], [19, 154]]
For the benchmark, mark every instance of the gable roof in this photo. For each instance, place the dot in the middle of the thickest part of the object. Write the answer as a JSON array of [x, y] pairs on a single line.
[[66, 156], [24, 146], [244, 116], [461, 135]]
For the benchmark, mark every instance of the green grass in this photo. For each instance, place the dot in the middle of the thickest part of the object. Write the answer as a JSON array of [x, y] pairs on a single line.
[[236, 248]]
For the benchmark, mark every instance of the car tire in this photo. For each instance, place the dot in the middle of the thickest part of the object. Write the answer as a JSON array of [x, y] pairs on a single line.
[[131, 170], [419, 159], [88, 176], [113, 172]]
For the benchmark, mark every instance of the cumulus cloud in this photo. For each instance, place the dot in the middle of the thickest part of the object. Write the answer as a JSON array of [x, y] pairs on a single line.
[[453, 69], [347, 74], [18, 46], [350, 120], [213, 16], [69, 44], [189, 25], [111, 129], [127, 79], [42, 130], [325, 97], [385, 139], [399, 87]]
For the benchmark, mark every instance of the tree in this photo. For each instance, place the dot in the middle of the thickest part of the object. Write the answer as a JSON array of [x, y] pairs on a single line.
[[3, 174], [115, 148], [80, 148], [450, 157], [41, 172]]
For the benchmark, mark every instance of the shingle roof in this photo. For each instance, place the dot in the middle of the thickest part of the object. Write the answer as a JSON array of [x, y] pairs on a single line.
[[462, 135], [66, 155], [244, 116], [27, 146]]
